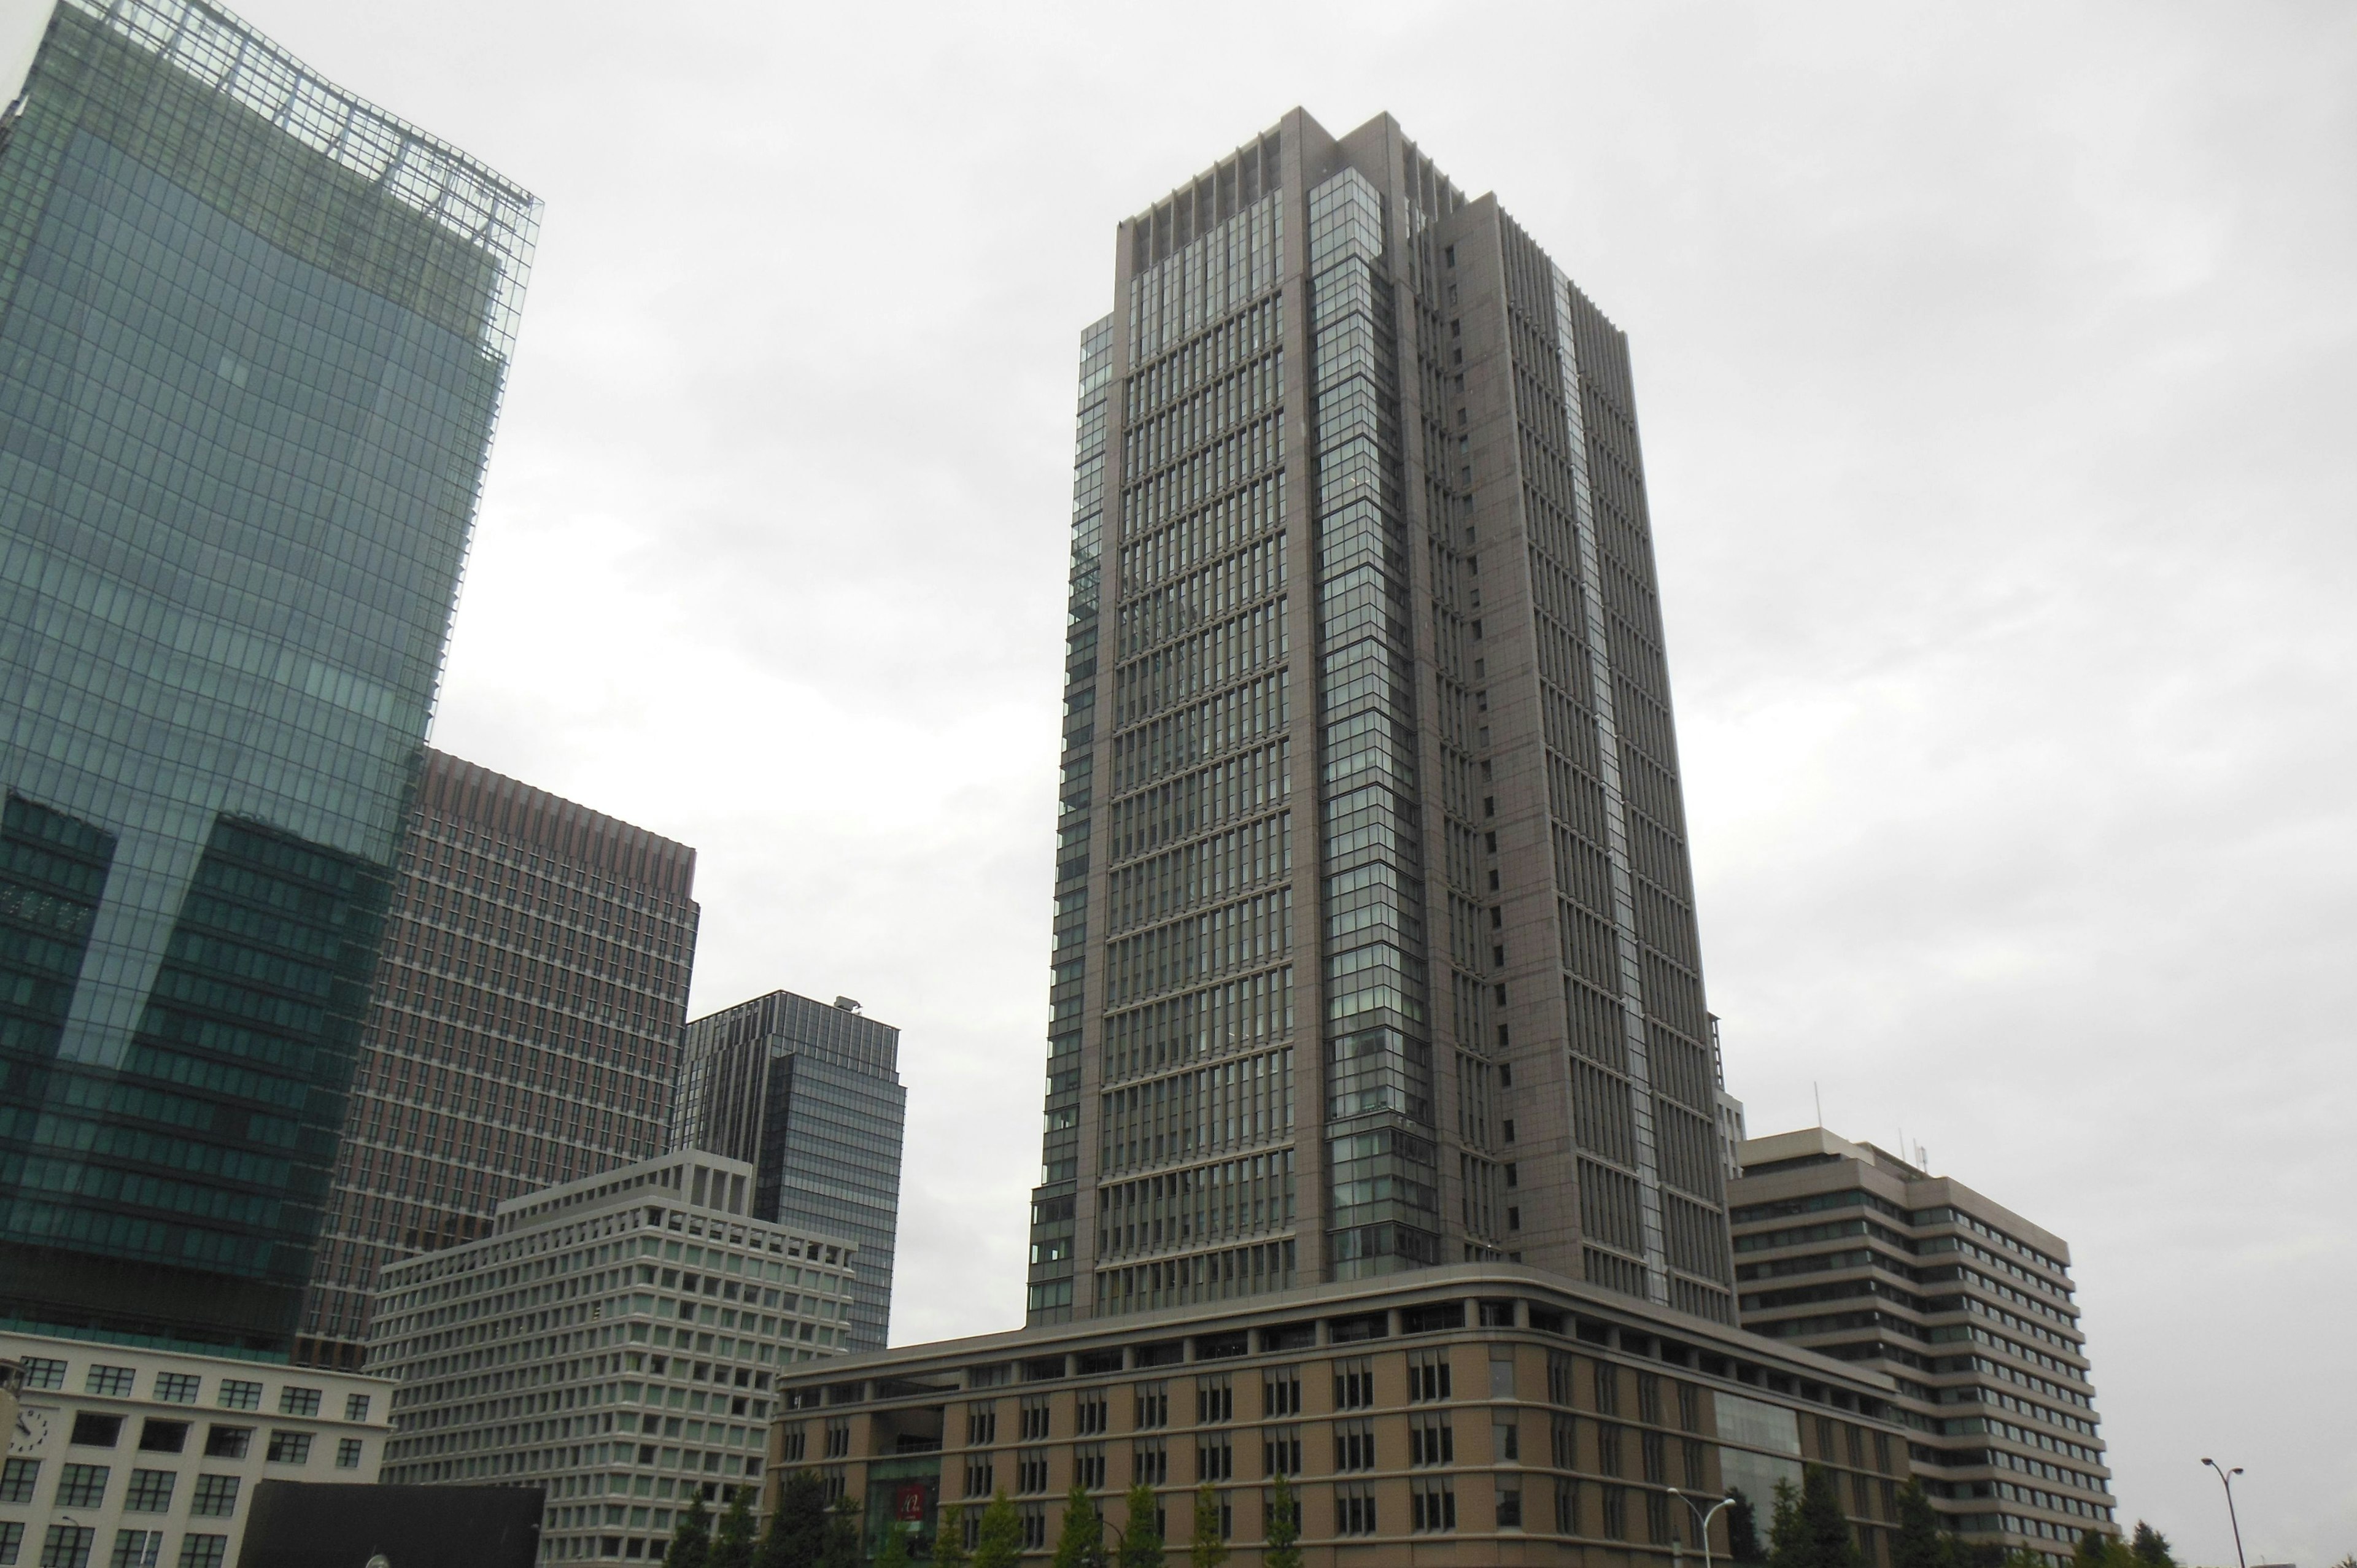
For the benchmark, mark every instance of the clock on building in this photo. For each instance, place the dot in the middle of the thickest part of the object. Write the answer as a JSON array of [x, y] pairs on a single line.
[[32, 1433]]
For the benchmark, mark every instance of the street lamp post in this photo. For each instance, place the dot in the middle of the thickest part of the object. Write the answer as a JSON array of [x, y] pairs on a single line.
[[1702, 1517], [2226, 1479]]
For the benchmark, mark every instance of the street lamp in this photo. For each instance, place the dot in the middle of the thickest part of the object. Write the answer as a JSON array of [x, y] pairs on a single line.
[[1702, 1517], [2226, 1479]]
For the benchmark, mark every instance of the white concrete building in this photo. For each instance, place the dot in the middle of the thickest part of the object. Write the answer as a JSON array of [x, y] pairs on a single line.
[[614, 1340], [122, 1456]]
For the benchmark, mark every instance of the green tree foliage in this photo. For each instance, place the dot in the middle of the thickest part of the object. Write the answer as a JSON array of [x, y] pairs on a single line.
[[797, 1534], [1743, 1529], [949, 1542], [1284, 1528], [1809, 1531], [691, 1537], [1920, 1543], [1000, 1544], [1083, 1531], [2151, 1547], [2097, 1549], [844, 1547], [1141, 1531], [895, 1553], [732, 1543], [1209, 1548]]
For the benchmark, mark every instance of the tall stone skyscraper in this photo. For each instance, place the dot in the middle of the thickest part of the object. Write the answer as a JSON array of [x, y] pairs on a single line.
[[524, 1028], [1376, 943], [810, 1096], [253, 337]]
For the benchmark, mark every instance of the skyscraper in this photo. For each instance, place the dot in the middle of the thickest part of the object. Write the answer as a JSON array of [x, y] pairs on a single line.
[[1853, 1252], [253, 337], [810, 1096], [1360, 535], [524, 1027]]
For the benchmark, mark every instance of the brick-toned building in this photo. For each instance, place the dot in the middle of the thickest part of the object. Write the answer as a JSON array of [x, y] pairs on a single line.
[[523, 1030], [1473, 1414]]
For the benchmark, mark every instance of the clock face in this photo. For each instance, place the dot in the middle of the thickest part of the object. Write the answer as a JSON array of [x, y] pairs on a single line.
[[32, 1432]]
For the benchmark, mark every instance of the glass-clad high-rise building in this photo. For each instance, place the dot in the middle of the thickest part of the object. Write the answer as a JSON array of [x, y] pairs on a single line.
[[253, 337], [1375, 933], [810, 1096]]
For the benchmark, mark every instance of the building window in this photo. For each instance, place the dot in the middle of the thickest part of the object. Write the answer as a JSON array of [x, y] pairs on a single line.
[[1562, 1442], [791, 1443], [1560, 1373], [215, 1497], [1616, 1513], [1506, 1440], [1215, 1458], [1269, 1516], [1427, 1375], [348, 1454], [1031, 1470], [1657, 1470], [227, 1442], [1689, 1409], [356, 1407], [67, 1546], [1354, 1508], [177, 1388], [136, 1549], [1608, 1389], [293, 1401], [1510, 1506], [1090, 1414], [17, 1477], [115, 1382], [1432, 1505], [1354, 1444], [838, 1437], [1501, 1371], [1033, 1517], [977, 1478], [1281, 1450], [1034, 1418], [1149, 1462], [150, 1491], [42, 1374], [1153, 1405], [1657, 1519], [1607, 1449], [81, 1485], [1431, 1439], [238, 1394], [12, 1541], [1089, 1466], [1649, 1398], [1215, 1400], [289, 1448], [163, 1436], [980, 1424], [203, 1551], [1280, 1392], [1354, 1384], [1566, 1507], [91, 1430]]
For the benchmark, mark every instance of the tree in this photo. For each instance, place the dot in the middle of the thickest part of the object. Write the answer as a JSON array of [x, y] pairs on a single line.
[[797, 1533], [2151, 1547], [843, 1549], [895, 1553], [1141, 1531], [1743, 1529], [1000, 1543], [1209, 1548], [1284, 1528], [1785, 1549], [1920, 1544], [691, 1537], [1082, 1530], [949, 1541], [732, 1544], [1809, 1531]]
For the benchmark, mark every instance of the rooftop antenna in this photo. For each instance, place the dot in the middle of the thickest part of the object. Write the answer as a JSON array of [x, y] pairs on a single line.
[[1821, 1100]]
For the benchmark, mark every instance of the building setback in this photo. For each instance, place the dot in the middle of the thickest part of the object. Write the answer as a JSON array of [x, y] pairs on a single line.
[[253, 333], [523, 1031], [147, 1457], [1374, 936], [1965, 1305], [810, 1096], [1466, 1414], [615, 1339]]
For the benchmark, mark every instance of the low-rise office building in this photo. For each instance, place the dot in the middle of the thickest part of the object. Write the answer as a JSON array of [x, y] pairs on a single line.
[[1968, 1308], [615, 1339], [1471, 1414], [124, 1454]]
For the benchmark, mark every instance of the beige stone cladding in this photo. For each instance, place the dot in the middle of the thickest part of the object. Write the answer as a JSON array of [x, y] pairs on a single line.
[[122, 1454], [1470, 1413]]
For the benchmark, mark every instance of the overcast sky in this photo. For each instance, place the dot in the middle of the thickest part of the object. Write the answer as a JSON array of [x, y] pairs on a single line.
[[1994, 365]]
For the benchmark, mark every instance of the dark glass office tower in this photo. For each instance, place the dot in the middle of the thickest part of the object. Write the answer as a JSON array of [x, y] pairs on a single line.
[[523, 1031], [253, 337], [1375, 945], [810, 1097]]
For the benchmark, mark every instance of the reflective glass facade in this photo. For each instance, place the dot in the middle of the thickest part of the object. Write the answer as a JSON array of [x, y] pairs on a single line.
[[1374, 938], [810, 1096], [252, 336]]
